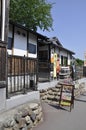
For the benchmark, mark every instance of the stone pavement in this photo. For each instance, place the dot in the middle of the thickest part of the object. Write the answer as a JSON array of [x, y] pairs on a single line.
[[62, 119]]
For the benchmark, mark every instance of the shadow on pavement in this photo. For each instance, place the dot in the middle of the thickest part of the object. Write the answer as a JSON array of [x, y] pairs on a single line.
[[59, 107], [80, 100], [84, 94]]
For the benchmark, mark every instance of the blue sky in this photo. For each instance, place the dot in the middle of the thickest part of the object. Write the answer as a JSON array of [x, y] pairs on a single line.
[[69, 24]]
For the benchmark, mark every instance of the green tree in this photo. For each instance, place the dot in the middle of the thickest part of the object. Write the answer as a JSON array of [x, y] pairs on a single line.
[[79, 62], [32, 13]]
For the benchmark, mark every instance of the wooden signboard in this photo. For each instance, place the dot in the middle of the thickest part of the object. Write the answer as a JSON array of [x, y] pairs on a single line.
[[67, 95]]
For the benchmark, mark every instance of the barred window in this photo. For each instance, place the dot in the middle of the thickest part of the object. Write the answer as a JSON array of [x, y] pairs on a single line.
[[2, 64], [32, 48], [9, 43]]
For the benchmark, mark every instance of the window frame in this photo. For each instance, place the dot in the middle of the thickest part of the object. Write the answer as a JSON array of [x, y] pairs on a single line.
[[33, 51], [11, 41]]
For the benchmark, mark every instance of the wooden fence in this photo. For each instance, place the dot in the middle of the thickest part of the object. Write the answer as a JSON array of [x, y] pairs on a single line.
[[2, 63], [78, 72], [22, 74]]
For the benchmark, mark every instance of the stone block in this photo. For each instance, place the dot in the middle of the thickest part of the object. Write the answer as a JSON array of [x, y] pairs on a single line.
[[50, 97], [25, 112], [51, 93], [44, 97], [28, 119], [42, 94], [17, 117], [39, 116], [40, 109], [58, 86], [35, 122], [29, 126], [33, 116], [55, 89], [22, 123], [33, 106], [36, 111], [15, 127], [57, 98], [8, 129], [9, 122]]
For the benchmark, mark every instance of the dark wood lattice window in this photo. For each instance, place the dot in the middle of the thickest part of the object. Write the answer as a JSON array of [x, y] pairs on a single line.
[[2, 64], [0, 16], [10, 43]]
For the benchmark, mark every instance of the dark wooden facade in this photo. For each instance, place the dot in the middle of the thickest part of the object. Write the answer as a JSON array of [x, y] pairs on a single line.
[[4, 5], [22, 75], [44, 65]]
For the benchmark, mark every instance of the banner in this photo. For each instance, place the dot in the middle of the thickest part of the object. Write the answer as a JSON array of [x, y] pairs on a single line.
[[55, 65]]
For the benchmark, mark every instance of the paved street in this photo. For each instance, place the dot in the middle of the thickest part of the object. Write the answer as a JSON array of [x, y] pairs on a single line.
[[62, 119]]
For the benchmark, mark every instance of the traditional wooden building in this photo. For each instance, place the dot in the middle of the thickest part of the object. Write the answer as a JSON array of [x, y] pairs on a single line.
[[52, 52], [32, 57], [25, 60], [24, 42]]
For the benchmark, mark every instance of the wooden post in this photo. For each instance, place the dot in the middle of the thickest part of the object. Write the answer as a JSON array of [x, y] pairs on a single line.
[[3, 39], [49, 62], [3, 50]]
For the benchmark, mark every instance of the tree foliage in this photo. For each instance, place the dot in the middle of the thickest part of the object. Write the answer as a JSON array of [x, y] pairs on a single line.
[[32, 13], [79, 62]]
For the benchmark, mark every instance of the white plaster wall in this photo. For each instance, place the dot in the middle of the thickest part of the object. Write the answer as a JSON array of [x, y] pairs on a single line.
[[9, 52], [54, 51], [32, 39], [69, 60], [60, 59], [57, 50], [20, 42], [67, 55], [63, 53]]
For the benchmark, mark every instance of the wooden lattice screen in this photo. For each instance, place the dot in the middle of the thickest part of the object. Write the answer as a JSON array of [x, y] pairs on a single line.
[[21, 65], [2, 63]]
